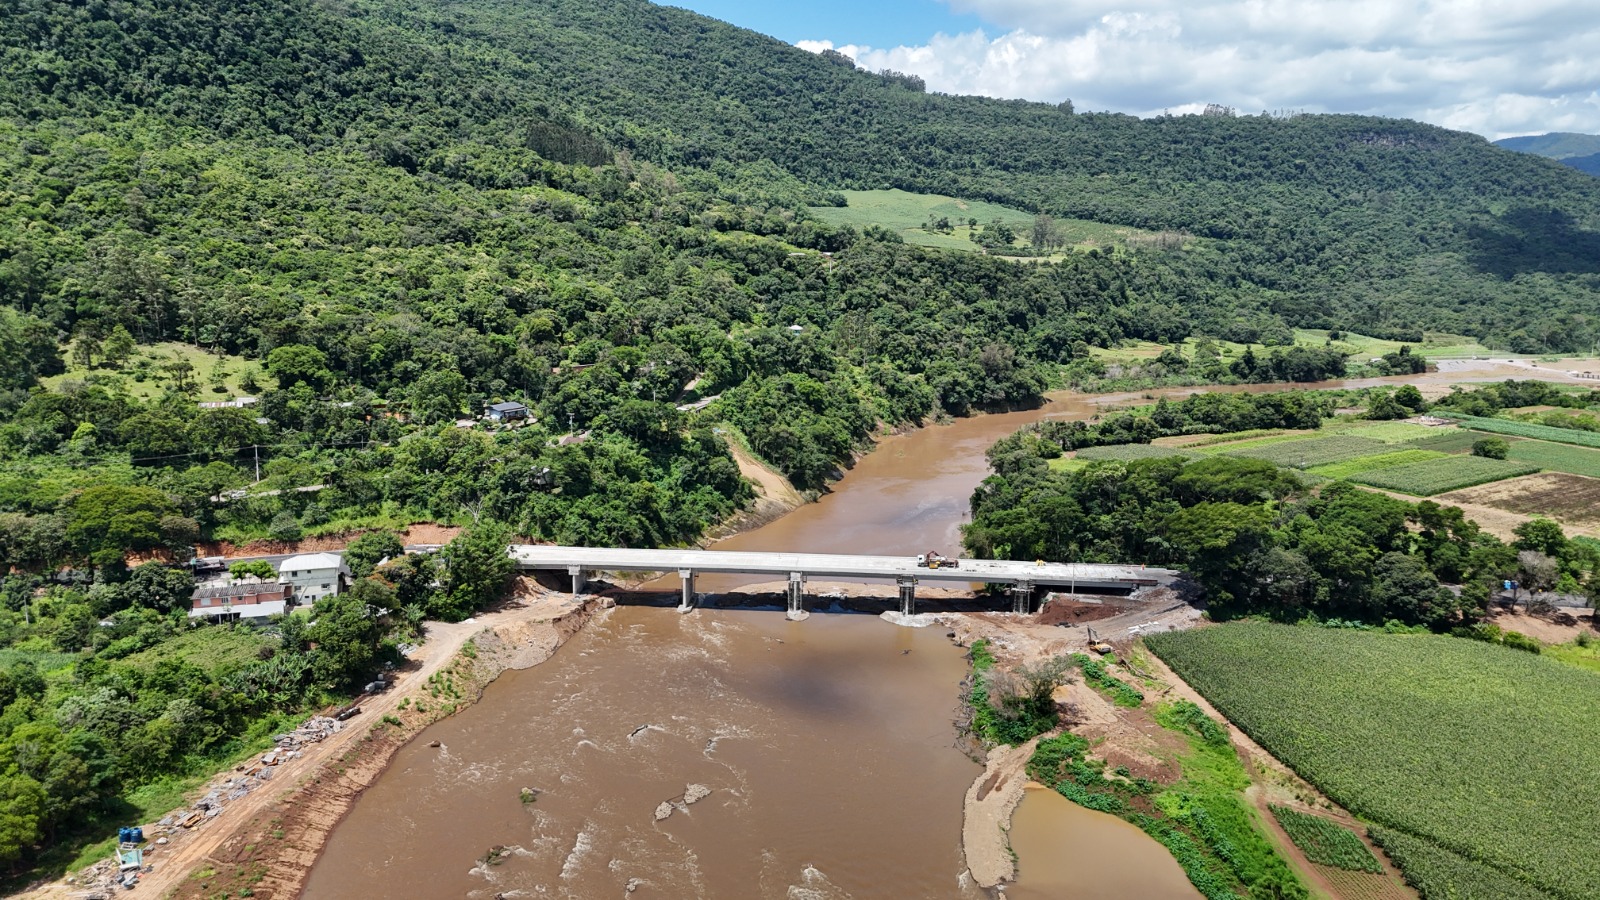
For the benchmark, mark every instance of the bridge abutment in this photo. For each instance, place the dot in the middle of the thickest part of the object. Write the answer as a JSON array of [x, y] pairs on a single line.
[[687, 577], [908, 594], [797, 592], [1022, 597]]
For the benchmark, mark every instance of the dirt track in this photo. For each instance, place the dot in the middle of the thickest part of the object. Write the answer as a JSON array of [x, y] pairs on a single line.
[[267, 840]]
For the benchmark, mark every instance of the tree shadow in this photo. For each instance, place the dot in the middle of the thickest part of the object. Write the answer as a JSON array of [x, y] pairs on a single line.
[[1532, 239]]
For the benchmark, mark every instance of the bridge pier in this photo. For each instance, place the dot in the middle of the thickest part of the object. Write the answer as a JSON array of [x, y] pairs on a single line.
[[1022, 597], [687, 577], [580, 578], [797, 592], [908, 594]]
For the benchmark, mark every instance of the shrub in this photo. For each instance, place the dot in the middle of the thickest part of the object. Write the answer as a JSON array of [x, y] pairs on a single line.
[[1491, 448]]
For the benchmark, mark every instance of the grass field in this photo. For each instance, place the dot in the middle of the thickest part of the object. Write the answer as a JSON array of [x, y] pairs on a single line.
[[1434, 344], [1361, 464], [143, 376], [1307, 453], [1450, 473], [1484, 761], [1558, 457], [1242, 440], [1194, 441], [907, 213]]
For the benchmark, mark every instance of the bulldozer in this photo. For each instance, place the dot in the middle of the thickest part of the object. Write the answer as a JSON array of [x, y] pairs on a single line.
[[1099, 646], [933, 559]]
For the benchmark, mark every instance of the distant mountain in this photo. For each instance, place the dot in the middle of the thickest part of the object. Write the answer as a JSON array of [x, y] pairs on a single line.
[[1590, 163], [1563, 145]]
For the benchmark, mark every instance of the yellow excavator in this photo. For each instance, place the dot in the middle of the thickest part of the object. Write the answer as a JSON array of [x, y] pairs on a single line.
[[1097, 645]]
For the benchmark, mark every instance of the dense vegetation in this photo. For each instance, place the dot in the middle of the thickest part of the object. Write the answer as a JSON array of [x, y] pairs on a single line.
[[107, 688], [1412, 732], [1202, 819]]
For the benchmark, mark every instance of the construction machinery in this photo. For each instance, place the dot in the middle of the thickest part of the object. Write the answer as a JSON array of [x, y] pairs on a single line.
[[1097, 645], [933, 559]]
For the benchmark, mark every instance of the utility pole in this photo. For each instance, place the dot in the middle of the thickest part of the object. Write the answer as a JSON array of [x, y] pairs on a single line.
[[257, 448]]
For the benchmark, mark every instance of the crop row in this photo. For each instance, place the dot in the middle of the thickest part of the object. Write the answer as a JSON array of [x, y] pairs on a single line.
[[1127, 452], [1436, 476], [1530, 430], [1326, 842], [1558, 457], [1360, 464], [1489, 754], [1306, 453]]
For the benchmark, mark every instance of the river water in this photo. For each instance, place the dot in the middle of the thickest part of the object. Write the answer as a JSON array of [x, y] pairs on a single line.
[[827, 745]]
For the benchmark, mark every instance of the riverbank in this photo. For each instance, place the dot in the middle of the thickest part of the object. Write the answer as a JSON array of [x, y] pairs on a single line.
[[266, 842]]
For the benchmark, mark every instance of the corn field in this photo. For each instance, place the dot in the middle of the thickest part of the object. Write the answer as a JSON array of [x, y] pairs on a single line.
[[1482, 762]]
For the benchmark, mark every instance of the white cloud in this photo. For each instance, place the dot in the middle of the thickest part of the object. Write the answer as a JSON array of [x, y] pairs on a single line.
[[1496, 67]]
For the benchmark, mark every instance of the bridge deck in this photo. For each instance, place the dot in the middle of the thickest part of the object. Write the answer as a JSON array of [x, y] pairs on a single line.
[[827, 565]]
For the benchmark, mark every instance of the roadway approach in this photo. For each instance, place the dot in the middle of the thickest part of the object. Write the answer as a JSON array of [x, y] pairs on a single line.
[[1023, 577]]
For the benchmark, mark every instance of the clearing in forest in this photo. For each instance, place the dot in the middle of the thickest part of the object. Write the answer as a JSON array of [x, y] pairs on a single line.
[[908, 213]]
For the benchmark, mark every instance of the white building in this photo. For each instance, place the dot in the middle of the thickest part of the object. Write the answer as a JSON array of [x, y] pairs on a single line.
[[241, 600], [312, 576]]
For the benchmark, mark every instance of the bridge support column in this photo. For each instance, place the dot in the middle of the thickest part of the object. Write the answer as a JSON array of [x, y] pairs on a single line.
[[580, 578], [908, 594], [797, 592], [687, 577], [1022, 597]]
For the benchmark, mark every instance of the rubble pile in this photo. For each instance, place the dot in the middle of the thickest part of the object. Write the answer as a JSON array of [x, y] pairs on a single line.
[[317, 728]]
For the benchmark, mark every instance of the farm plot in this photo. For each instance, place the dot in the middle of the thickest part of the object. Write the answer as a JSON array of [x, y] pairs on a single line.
[[1318, 451], [1326, 842], [1530, 430], [1388, 432], [1243, 440], [1436, 476], [1127, 452], [1572, 500], [1483, 761], [1558, 457], [1448, 440], [1352, 467]]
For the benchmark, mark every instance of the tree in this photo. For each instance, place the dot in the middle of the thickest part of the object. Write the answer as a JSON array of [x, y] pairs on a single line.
[[160, 587], [1536, 572], [118, 346], [366, 551], [107, 521], [22, 809], [347, 635], [284, 527], [1384, 406], [476, 567], [1491, 448], [1540, 535], [1411, 398], [295, 364], [255, 568]]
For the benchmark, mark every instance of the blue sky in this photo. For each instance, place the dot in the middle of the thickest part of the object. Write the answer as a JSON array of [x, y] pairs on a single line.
[[880, 23], [1495, 67]]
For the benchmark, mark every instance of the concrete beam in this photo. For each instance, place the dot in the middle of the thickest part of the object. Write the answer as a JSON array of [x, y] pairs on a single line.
[[580, 579], [908, 594], [1022, 597], [797, 591]]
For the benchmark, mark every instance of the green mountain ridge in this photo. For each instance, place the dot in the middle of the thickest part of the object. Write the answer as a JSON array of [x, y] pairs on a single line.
[[1555, 145]]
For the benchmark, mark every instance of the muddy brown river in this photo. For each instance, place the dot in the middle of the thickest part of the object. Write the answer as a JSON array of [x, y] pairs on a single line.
[[827, 746]]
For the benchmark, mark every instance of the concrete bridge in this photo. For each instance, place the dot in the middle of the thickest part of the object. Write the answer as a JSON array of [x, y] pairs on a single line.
[[1024, 577]]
